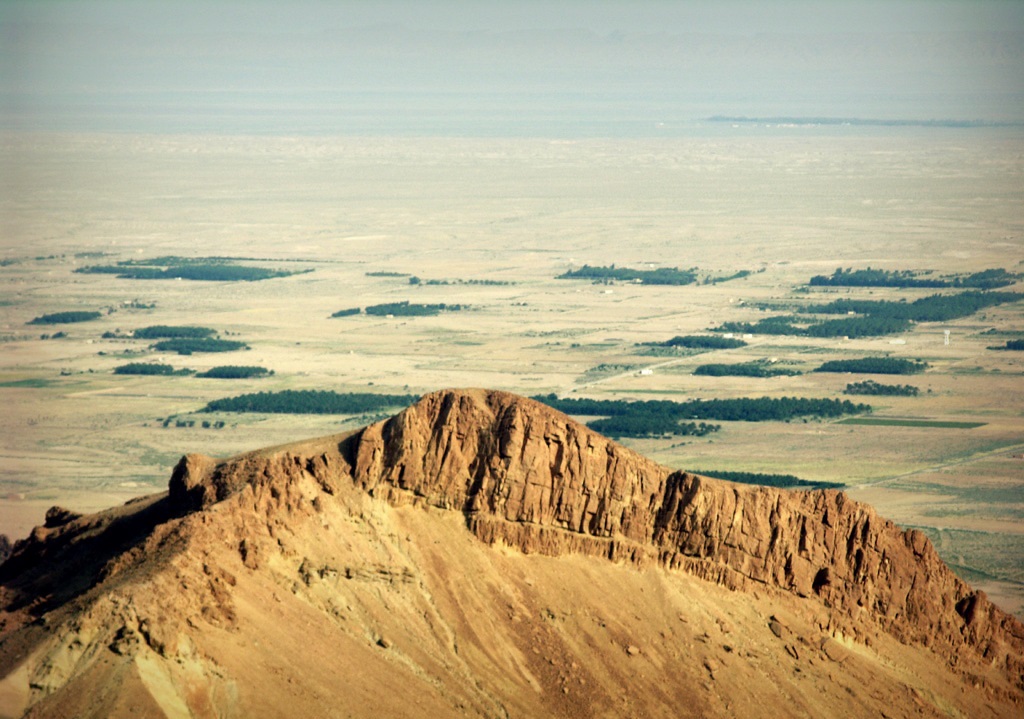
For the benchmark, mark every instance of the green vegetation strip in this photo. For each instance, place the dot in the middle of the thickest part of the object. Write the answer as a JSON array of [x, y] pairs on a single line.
[[201, 344], [660, 276], [872, 318], [911, 423], [310, 402], [1011, 345], [210, 269], [710, 342], [149, 368], [159, 332], [758, 368], [652, 418], [401, 309], [874, 365], [235, 372], [870, 387], [58, 318], [986, 279], [786, 481]]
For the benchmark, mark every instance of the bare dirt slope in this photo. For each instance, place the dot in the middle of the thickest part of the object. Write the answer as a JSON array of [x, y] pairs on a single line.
[[346, 576]]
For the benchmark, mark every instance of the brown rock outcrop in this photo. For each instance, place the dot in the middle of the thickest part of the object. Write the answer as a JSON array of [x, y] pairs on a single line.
[[529, 477], [291, 532]]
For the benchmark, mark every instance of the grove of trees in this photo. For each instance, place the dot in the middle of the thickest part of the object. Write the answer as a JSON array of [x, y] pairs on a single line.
[[647, 418], [235, 372], [660, 276], [58, 318], [186, 346], [875, 365], [870, 387], [309, 401]]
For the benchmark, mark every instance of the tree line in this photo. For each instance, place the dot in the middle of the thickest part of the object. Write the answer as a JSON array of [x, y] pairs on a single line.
[[985, 279], [310, 401], [870, 387], [187, 346], [758, 368], [401, 309], [657, 417], [875, 365], [873, 318], [58, 318], [220, 372], [710, 342], [659, 276], [202, 271]]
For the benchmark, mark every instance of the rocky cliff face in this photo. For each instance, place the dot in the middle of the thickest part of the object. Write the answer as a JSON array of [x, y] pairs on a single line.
[[230, 538], [529, 477]]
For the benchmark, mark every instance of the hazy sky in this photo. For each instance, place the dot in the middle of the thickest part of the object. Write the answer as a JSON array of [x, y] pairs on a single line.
[[451, 66]]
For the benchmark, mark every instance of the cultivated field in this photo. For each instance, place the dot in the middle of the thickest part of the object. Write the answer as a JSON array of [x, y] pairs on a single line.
[[784, 204]]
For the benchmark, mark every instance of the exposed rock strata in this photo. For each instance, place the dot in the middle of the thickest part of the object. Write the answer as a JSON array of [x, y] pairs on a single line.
[[522, 475], [530, 477]]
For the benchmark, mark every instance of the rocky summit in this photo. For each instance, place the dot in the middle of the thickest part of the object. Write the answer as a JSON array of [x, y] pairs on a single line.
[[482, 555]]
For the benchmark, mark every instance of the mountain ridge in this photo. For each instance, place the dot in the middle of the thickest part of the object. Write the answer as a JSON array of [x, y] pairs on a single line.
[[522, 478]]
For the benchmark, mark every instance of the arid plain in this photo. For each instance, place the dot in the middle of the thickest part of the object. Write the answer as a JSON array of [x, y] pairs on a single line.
[[782, 203]]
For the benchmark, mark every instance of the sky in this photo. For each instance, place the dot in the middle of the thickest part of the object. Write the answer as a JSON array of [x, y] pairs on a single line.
[[500, 67]]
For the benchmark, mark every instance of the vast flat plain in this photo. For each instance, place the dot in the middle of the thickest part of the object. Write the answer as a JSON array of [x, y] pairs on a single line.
[[783, 203]]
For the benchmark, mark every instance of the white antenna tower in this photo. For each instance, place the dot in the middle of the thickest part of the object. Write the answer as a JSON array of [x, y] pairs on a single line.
[[946, 337]]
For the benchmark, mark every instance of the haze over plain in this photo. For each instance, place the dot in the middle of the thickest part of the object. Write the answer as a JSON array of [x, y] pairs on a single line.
[[501, 68]]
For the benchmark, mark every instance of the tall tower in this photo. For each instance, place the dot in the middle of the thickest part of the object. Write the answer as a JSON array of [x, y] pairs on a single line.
[[946, 337]]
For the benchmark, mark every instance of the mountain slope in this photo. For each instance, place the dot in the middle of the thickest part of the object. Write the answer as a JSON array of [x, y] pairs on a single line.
[[336, 577]]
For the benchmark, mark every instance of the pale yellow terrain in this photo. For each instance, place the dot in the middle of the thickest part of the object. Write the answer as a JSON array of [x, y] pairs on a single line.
[[786, 206]]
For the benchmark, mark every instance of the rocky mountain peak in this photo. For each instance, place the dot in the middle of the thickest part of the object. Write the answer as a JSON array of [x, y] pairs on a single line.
[[520, 476]]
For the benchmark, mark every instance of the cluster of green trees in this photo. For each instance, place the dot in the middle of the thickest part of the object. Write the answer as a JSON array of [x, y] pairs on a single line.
[[875, 278], [407, 309], [156, 332], [1010, 345], [870, 387], [221, 372], [872, 318], [662, 412], [387, 274], [709, 342], [206, 424], [59, 318], [803, 327], [149, 368], [187, 346], [202, 269], [934, 308], [310, 402], [986, 279], [735, 276], [642, 425], [762, 409], [235, 372], [660, 276], [786, 481], [758, 368], [875, 365], [401, 309], [414, 280]]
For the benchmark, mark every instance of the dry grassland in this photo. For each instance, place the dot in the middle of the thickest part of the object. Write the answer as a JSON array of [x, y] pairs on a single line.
[[786, 206]]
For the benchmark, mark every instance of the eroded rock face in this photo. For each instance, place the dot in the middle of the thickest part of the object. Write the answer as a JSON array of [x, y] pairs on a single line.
[[529, 477], [525, 476]]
